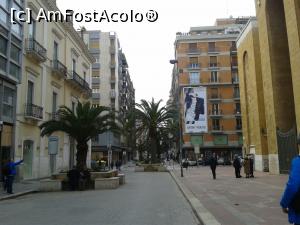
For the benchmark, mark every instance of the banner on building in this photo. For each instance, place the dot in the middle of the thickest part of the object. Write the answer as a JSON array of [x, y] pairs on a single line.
[[195, 109]]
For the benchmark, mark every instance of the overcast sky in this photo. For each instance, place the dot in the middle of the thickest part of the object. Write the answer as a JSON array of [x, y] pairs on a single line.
[[149, 46]]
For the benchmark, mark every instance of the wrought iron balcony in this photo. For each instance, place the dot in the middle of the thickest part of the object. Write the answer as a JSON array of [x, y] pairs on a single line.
[[35, 50], [79, 82], [215, 97], [33, 112], [193, 51], [213, 50], [215, 113], [194, 66], [58, 68], [213, 66]]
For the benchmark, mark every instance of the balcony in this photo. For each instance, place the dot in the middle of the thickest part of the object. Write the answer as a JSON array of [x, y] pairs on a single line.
[[194, 66], [213, 66], [234, 66], [96, 95], [215, 97], [193, 51], [96, 80], [215, 81], [217, 129], [233, 50], [235, 79], [213, 51], [215, 113], [236, 96], [79, 82], [35, 50], [113, 94], [58, 69], [33, 112]]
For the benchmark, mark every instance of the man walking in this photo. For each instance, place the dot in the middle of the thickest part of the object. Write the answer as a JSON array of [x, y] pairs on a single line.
[[11, 174], [290, 201], [237, 166], [213, 164]]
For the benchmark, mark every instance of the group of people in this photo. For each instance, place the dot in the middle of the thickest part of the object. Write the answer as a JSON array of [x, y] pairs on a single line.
[[8, 172], [118, 164], [248, 164]]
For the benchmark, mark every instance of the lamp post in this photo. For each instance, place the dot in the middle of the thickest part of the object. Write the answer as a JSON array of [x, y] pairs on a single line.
[[173, 62]]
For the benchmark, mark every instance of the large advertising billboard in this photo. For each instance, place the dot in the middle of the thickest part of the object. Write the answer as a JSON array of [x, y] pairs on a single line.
[[195, 109]]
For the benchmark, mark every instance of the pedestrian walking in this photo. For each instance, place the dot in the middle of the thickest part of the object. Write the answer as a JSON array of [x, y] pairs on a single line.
[[11, 174], [237, 166], [290, 201], [247, 167], [251, 166], [213, 162]]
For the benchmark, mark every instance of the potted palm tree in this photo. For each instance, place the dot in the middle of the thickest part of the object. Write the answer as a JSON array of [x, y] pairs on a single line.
[[85, 123]]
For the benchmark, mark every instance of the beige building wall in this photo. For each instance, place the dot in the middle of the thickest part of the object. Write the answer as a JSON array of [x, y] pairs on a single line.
[[47, 79], [252, 96]]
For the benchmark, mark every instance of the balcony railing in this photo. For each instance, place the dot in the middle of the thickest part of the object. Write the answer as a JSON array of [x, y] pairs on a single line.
[[35, 50], [59, 68], [96, 80], [213, 65], [215, 81], [213, 50], [79, 81], [33, 111], [193, 51], [215, 112], [194, 66], [215, 97], [217, 129]]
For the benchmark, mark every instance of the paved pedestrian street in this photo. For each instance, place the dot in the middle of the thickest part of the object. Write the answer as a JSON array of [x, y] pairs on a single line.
[[237, 201], [146, 199]]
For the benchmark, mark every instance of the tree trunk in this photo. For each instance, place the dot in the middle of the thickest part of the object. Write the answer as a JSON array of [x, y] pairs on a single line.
[[81, 155], [153, 150]]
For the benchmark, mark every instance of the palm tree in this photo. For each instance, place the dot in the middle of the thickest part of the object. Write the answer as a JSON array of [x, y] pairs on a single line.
[[84, 124], [152, 119]]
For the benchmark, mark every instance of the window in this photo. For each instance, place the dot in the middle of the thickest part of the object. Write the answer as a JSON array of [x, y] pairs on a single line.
[[96, 90], [8, 103], [215, 108], [194, 78], [238, 123], [31, 29], [74, 65], [236, 92], [96, 57], [213, 61], [216, 124], [15, 53], [30, 92], [14, 70], [94, 44], [55, 51], [193, 62], [54, 102], [4, 4], [214, 77], [211, 46], [3, 16], [214, 93], [3, 45], [238, 108], [3, 63], [192, 47], [17, 29]]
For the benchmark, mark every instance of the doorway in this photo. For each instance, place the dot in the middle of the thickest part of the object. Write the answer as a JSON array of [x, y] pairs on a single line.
[[28, 158]]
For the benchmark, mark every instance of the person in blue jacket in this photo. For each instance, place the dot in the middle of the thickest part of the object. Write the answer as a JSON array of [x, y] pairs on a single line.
[[11, 174], [291, 190]]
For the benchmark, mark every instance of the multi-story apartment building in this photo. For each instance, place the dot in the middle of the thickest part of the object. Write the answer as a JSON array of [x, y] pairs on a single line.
[[207, 57], [11, 45], [269, 55], [56, 71], [110, 81]]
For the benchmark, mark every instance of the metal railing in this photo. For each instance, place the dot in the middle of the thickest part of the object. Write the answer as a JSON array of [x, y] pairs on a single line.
[[213, 65], [79, 80], [32, 46], [33, 111], [216, 112], [57, 66], [194, 66]]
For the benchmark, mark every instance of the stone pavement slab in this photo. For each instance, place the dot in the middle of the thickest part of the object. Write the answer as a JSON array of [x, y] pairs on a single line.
[[237, 201], [145, 199]]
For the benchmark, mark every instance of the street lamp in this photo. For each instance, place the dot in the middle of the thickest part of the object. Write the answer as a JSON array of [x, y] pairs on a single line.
[[173, 62]]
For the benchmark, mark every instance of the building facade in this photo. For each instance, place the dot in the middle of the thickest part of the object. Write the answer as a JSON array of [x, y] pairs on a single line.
[[207, 57], [11, 45], [56, 71], [112, 88], [269, 51]]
